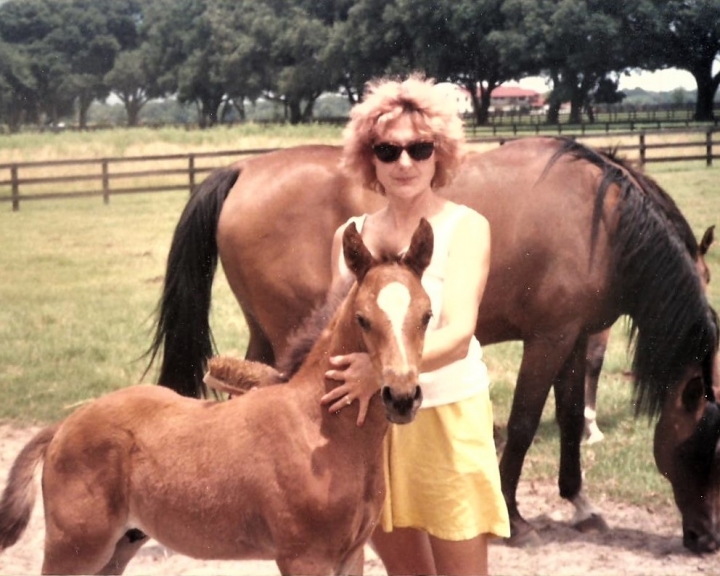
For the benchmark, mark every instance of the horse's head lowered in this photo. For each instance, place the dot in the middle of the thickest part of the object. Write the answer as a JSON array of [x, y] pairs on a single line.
[[687, 453], [392, 312]]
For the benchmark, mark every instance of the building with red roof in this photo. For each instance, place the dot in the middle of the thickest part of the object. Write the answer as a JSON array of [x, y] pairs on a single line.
[[515, 98]]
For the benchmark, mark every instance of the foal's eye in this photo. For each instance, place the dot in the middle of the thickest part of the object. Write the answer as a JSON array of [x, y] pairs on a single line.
[[363, 322], [425, 320]]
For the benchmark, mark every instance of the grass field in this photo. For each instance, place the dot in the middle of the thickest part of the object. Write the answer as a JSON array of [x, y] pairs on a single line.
[[79, 282]]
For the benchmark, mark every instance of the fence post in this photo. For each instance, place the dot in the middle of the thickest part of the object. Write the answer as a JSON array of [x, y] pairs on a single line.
[[708, 147], [191, 172], [643, 148], [15, 187], [105, 182]]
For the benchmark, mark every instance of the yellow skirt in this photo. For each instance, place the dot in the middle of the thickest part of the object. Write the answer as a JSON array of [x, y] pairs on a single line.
[[441, 473]]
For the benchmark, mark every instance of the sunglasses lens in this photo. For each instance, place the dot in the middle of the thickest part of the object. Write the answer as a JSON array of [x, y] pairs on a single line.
[[387, 152], [420, 150], [390, 152]]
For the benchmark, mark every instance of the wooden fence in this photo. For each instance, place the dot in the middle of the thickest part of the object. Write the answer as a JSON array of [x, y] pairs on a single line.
[[105, 177]]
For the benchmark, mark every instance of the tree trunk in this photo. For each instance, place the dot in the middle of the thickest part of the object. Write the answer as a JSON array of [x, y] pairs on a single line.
[[132, 108], [481, 105], [239, 105], [554, 102], [707, 85], [84, 103], [576, 104], [485, 100], [15, 118], [293, 107]]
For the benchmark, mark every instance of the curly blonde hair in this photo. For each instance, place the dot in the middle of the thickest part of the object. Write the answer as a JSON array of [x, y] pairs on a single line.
[[433, 115]]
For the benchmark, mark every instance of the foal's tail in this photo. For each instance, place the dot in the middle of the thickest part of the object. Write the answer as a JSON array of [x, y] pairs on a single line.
[[183, 327], [19, 495]]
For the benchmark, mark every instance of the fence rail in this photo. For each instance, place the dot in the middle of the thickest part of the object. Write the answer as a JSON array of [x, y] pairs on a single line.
[[27, 181]]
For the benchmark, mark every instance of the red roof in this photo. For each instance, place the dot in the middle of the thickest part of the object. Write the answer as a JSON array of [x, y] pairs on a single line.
[[513, 92]]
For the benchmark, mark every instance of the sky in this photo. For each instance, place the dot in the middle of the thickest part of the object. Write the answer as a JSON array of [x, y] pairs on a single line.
[[660, 81]]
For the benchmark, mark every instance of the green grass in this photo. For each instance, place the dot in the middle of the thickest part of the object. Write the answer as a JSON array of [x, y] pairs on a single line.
[[79, 285], [29, 146], [79, 282]]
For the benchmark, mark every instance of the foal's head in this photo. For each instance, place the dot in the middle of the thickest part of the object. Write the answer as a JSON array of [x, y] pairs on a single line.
[[392, 312]]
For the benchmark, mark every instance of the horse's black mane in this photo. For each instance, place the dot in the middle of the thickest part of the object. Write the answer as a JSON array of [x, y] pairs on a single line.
[[656, 282]]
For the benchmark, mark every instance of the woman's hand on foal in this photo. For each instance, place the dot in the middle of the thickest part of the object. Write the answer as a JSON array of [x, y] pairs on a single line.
[[359, 382]]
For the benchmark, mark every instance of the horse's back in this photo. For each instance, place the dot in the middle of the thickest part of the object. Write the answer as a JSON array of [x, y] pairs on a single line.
[[540, 216], [276, 229]]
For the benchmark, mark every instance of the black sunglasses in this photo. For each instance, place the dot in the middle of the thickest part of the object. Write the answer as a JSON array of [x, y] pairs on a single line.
[[387, 153]]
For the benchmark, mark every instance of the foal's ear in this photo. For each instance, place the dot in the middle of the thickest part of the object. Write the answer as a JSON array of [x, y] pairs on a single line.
[[357, 256], [420, 252]]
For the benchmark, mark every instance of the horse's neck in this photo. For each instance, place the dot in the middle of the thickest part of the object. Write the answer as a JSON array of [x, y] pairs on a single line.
[[341, 336]]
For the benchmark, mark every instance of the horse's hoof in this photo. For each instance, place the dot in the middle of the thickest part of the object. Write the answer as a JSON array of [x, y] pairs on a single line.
[[528, 539], [593, 523]]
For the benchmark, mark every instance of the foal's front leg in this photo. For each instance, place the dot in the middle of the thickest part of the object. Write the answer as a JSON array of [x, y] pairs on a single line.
[[321, 563]]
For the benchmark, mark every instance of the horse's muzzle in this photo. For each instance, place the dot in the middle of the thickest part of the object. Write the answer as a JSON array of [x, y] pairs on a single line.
[[700, 543], [400, 408]]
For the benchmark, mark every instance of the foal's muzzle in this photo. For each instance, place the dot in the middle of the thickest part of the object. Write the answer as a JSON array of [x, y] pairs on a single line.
[[400, 408]]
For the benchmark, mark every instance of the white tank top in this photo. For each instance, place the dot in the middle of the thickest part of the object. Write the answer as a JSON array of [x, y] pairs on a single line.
[[460, 379]]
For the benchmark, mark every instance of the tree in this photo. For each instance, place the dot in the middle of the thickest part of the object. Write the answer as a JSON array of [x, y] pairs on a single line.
[[578, 44], [275, 48], [469, 42], [26, 25], [373, 41], [682, 34], [17, 85], [132, 80], [445, 39], [189, 54], [71, 45]]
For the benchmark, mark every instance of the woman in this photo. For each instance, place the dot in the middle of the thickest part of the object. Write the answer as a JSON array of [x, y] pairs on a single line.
[[443, 486]]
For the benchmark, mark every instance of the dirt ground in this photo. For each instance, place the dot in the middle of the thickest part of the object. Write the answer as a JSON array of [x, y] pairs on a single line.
[[641, 541]]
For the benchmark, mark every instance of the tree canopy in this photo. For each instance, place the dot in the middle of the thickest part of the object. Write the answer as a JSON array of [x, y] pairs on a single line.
[[59, 56]]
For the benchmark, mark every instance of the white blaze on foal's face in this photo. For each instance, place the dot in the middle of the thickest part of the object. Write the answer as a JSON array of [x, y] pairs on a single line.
[[394, 300]]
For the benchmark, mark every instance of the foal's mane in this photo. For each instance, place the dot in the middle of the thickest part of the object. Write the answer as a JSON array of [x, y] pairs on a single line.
[[302, 340], [655, 278]]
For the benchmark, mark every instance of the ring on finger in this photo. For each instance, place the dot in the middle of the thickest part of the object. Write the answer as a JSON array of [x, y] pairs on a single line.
[[347, 400]]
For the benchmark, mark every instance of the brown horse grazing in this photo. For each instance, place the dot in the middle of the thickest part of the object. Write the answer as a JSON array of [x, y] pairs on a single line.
[[597, 346], [579, 239], [268, 475]]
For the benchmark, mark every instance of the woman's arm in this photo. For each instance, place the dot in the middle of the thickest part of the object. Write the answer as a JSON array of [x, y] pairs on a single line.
[[466, 275]]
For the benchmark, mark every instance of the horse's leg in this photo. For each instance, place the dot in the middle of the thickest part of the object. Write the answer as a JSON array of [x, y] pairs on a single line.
[[83, 550], [86, 508], [541, 362], [569, 392], [306, 563], [259, 348], [125, 549], [597, 345]]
